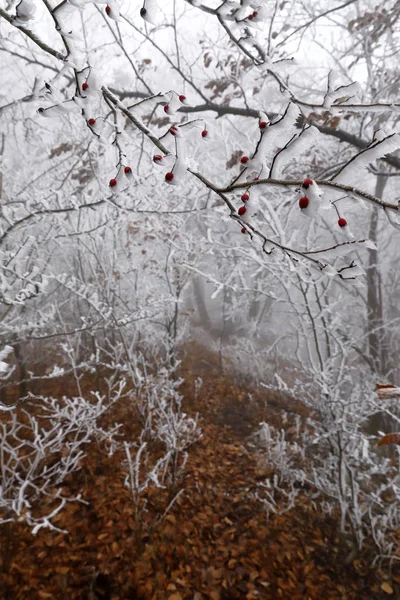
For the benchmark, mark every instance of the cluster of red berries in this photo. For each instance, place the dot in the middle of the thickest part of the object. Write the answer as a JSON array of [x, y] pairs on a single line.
[[182, 98], [113, 182], [242, 209], [253, 15], [304, 201], [245, 197]]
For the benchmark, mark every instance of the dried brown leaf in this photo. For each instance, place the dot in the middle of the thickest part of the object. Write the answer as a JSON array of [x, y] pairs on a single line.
[[390, 438]]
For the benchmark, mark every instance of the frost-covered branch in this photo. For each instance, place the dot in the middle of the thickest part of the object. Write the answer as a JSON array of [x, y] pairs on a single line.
[[39, 452], [356, 192], [32, 36], [222, 110]]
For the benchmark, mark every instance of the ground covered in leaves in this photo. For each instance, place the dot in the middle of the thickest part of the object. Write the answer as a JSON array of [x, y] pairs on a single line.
[[215, 543]]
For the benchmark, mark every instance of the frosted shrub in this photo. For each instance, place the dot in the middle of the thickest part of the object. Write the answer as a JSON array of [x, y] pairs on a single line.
[[38, 452], [159, 457], [279, 492], [335, 463], [160, 408]]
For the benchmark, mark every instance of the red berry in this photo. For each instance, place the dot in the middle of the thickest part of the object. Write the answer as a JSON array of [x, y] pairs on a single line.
[[113, 182], [169, 176], [256, 178], [244, 160], [127, 170], [244, 230], [166, 108], [255, 13], [303, 202], [263, 124], [307, 182], [108, 9], [85, 85], [92, 121], [242, 210], [342, 222], [250, 17], [157, 157], [245, 197], [173, 130], [182, 98], [204, 133]]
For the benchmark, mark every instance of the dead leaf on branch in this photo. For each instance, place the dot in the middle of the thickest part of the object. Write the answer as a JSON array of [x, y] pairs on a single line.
[[380, 386], [387, 391], [234, 159], [62, 148], [207, 60], [390, 438]]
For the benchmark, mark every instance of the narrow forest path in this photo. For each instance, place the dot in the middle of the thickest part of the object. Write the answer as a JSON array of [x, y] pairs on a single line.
[[214, 544]]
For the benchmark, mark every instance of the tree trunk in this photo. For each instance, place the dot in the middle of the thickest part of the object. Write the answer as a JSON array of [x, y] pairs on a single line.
[[376, 336], [378, 350]]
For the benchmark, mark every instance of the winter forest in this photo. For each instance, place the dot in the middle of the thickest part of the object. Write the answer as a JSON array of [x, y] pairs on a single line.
[[199, 296]]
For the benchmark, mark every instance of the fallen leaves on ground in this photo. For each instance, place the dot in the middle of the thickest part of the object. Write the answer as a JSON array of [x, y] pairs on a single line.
[[214, 544]]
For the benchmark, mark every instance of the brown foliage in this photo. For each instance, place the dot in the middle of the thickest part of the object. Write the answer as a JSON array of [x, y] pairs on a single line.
[[214, 544]]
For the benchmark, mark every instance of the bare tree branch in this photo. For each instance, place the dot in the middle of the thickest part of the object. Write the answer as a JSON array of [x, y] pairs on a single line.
[[340, 134], [322, 183], [32, 36]]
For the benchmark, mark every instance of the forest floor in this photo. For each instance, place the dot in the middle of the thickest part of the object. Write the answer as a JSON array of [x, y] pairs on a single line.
[[214, 543]]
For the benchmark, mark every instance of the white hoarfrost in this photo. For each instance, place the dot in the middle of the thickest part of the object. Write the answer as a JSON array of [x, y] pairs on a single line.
[[353, 169], [293, 149]]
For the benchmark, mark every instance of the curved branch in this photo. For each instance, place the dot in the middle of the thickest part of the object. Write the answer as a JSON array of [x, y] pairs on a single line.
[[321, 183], [319, 16], [47, 211], [32, 36], [206, 9]]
